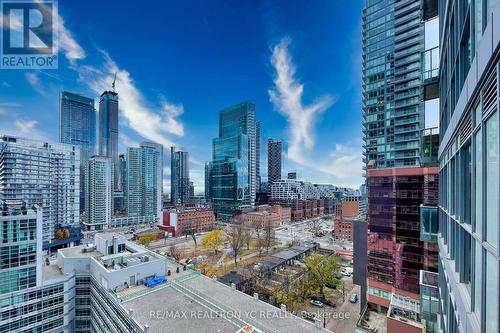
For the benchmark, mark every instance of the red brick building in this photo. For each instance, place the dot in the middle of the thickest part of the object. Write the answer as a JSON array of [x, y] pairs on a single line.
[[181, 221], [343, 229]]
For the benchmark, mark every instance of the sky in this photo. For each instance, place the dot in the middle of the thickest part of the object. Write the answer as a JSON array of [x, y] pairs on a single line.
[[179, 63]]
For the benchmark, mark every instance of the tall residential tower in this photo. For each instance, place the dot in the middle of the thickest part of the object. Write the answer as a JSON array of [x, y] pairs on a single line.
[[179, 176], [274, 164], [108, 134]]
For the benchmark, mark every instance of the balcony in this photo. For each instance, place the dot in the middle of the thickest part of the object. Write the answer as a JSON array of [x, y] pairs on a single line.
[[430, 146], [430, 73], [429, 300], [428, 223]]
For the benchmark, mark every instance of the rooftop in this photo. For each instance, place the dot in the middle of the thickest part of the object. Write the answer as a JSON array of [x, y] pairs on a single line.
[[372, 321], [200, 304]]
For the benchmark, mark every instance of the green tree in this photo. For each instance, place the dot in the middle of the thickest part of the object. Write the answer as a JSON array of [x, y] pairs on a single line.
[[323, 271], [213, 240]]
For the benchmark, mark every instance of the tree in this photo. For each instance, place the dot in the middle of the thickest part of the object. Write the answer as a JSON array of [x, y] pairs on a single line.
[[235, 237], [146, 239], [323, 270], [260, 238], [189, 228], [268, 237], [174, 252], [213, 240], [247, 237]]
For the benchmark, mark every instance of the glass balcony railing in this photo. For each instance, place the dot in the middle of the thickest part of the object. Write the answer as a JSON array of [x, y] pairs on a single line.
[[428, 223], [430, 145], [430, 61]]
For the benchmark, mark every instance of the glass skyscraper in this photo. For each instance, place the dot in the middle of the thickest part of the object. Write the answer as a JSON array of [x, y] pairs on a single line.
[[44, 174], [77, 117], [469, 213], [233, 176], [179, 177], [100, 194], [145, 181], [108, 134]]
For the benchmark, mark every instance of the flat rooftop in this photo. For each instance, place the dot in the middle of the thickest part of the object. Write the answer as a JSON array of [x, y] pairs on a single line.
[[373, 321], [51, 271], [196, 303]]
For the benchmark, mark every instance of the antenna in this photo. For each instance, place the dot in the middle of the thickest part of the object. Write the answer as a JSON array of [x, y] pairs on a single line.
[[113, 84]]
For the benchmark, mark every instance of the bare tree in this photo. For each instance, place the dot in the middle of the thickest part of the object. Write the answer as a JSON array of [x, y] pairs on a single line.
[[235, 236], [247, 237], [174, 252], [268, 237], [258, 229], [189, 228]]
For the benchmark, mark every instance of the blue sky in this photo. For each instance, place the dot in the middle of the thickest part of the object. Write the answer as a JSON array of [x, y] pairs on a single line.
[[179, 63]]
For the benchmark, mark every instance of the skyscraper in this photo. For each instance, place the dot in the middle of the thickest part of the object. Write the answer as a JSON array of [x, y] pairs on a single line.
[[108, 133], [179, 176], [233, 166], [257, 156], [274, 165], [145, 181], [398, 178], [100, 194], [77, 117], [44, 174], [469, 228]]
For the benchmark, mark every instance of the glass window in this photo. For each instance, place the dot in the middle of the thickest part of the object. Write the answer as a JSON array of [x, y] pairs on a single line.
[[478, 282], [492, 180], [491, 309], [478, 21], [478, 179], [465, 191]]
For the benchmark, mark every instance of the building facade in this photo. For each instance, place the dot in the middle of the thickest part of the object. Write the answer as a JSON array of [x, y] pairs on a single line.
[[179, 177], [274, 164], [233, 174], [108, 133], [100, 194], [43, 174], [182, 221], [145, 181], [468, 236], [286, 190], [77, 126]]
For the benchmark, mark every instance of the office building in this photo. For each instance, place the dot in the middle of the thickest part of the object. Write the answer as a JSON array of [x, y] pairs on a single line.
[[286, 190], [274, 164], [145, 182], [77, 117], [108, 133], [468, 236], [187, 220], [179, 177], [100, 194], [43, 174], [32, 299], [233, 167]]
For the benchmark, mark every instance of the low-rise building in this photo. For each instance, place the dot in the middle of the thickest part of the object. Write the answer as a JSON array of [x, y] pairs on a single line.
[[186, 220], [343, 229]]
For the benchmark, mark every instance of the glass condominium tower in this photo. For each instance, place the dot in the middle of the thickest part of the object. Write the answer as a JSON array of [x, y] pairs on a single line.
[[469, 214], [233, 175], [179, 177], [77, 117], [108, 134]]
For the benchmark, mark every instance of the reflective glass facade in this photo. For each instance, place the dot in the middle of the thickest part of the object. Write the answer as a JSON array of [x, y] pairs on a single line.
[[233, 166], [179, 176], [469, 216], [108, 133]]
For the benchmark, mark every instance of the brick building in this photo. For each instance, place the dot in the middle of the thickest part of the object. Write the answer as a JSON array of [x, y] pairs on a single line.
[[343, 229], [186, 220]]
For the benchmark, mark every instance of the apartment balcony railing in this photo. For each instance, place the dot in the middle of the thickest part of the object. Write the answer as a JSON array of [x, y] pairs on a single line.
[[430, 61]]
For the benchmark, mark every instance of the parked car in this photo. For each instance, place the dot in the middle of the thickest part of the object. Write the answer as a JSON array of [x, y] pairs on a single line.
[[353, 298], [155, 281], [316, 303], [324, 301]]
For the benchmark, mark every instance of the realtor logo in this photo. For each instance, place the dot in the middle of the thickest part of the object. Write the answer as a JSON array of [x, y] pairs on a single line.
[[28, 38]]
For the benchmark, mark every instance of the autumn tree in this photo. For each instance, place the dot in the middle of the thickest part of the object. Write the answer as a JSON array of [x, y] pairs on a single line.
[[174, 252], [235, 237], [213, 240], [146, 239], [323, 271]]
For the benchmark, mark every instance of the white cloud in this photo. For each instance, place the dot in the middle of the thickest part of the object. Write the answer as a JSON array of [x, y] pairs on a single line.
[[34, 80], [140, 116], [6, 85], [343, 162], [25, 127]]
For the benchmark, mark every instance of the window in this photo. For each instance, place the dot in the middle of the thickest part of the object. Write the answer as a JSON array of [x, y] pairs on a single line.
[[478, 183], [491, 181], [491, 308], [478, 282], [465, 191]]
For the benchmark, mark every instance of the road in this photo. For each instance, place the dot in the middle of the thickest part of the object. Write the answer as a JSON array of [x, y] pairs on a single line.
[[347, 315]]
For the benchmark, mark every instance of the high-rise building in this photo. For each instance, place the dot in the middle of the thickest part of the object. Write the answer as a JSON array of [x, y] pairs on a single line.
[[100, 194], [233, 167], [257, 157], [44, 174], [32, 299], [179, 176], [208, 187], [145, 181], [398, 80], [77, 117], [108, 133], [468, 236], [274, 164]]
